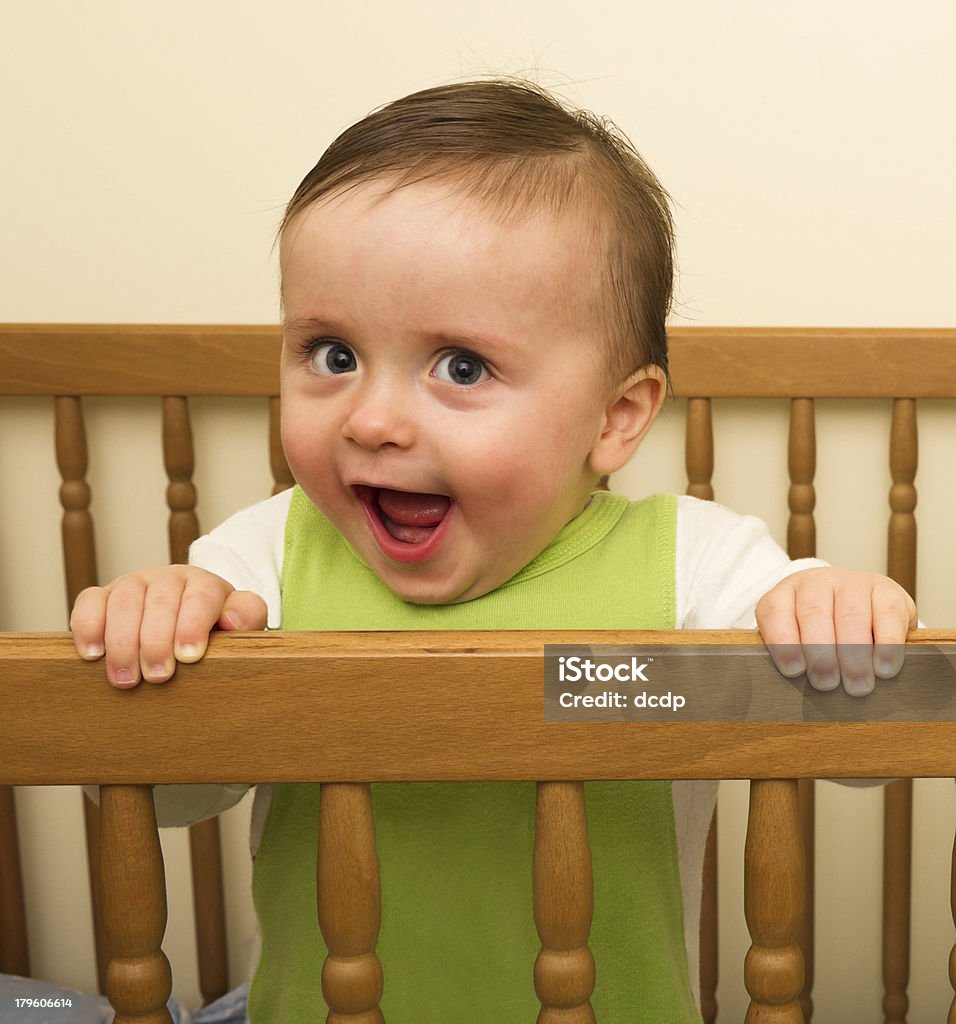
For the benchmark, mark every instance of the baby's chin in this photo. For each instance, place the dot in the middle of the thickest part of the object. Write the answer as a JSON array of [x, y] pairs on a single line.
[[426, 593], [425, 585]]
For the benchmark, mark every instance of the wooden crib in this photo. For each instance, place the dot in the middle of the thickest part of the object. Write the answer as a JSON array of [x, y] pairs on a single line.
[[121, 740]]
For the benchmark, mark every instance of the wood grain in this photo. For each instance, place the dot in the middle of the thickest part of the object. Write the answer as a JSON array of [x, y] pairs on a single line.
[[14, 947], [716, 362], [564, 971], [773, 903], [226, 718], [139, 981]]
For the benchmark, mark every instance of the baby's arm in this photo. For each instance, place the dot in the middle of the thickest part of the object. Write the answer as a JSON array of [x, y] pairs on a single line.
[[837, 623], [728, 565], [146, 621]]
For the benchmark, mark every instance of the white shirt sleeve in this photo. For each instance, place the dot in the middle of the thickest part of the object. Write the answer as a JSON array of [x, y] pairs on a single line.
[[246, 550], [725, 563]]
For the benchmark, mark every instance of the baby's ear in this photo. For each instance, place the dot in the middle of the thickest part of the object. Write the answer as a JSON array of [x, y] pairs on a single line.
[[628, 416]]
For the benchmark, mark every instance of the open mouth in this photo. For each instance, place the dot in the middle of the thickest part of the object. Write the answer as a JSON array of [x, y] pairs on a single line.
[[407, 525]]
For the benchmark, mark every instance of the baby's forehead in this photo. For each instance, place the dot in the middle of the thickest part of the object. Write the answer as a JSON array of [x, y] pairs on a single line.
[[484, 194]]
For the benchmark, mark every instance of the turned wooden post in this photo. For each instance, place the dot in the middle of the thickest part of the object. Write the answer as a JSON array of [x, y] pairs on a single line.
[[79, 563], [349, 903], [179, 461], [708, 928], [138, 979], [14, 949], [897, 853], [904, 456], [563, 904], [951, 1016], [699, 462], [898, 796], [699, 449], [802, 543], [802, 463], [205, 855], [79, 552], [773, 903]]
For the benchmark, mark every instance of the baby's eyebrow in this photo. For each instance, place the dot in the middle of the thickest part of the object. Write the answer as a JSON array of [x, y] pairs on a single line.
[[308, 324], [468, 339]]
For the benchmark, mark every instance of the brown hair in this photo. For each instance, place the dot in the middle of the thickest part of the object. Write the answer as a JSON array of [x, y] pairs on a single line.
[[516, 147]]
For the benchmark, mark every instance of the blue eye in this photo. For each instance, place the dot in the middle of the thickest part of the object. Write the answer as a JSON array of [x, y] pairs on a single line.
[[333, 357], [462, 368]]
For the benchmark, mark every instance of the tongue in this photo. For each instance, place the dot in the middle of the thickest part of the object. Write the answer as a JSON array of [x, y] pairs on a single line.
[[407, 509]]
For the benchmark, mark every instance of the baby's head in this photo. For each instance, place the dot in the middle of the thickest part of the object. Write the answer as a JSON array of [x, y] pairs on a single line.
[[475, 284], [516, 149]]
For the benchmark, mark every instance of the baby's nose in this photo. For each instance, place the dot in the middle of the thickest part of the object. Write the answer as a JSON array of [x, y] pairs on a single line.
[[381, 416]]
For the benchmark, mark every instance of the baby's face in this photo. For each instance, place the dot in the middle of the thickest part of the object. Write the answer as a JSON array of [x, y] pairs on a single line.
[[442, 383]]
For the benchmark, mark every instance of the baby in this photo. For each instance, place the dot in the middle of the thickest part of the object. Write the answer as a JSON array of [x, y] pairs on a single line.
[[475, 282]]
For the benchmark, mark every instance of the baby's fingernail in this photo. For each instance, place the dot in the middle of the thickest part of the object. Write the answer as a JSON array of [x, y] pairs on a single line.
[[233, 619], [857, 686], [824, 680], [160, 672], [123, 677], [93, 651], [889, 660], [793, 668], [188, 653]]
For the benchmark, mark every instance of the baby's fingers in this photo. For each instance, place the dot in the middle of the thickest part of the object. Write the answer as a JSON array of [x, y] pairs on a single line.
[[161, 609], [777, 620], [88, 623], [243, 610], [894, 613], [203, 601], [124, 618]]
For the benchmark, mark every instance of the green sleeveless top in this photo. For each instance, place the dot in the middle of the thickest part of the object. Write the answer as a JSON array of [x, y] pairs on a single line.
[[458, 941]]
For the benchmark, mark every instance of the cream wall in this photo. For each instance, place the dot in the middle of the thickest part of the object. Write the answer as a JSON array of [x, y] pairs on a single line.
[[148, 151]]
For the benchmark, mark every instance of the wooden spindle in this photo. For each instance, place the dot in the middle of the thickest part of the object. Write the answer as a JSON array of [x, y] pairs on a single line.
[[563, 904], [204, 840], [897, 846], [349, 903], [802, 543], [806, 798], [79, 550], [708, 928], [79, 562], [209, 905], [281, 474], [14, 950], [139, 980], [898, 796], [181, 492], [773, 902], [699, 449], [951, 1016], [802, 460], [904, 455], [699, 462]]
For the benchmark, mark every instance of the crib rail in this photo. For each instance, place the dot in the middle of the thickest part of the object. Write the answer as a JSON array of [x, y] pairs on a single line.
[[716, 362], [64, 724], [227, 719]]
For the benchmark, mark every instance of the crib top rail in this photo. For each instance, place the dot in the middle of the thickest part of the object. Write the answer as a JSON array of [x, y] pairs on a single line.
[[718, 362], [413, 706]]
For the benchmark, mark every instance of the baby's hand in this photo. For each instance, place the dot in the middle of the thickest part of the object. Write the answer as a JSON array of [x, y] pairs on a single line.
[[835, 623], [147, 621]]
